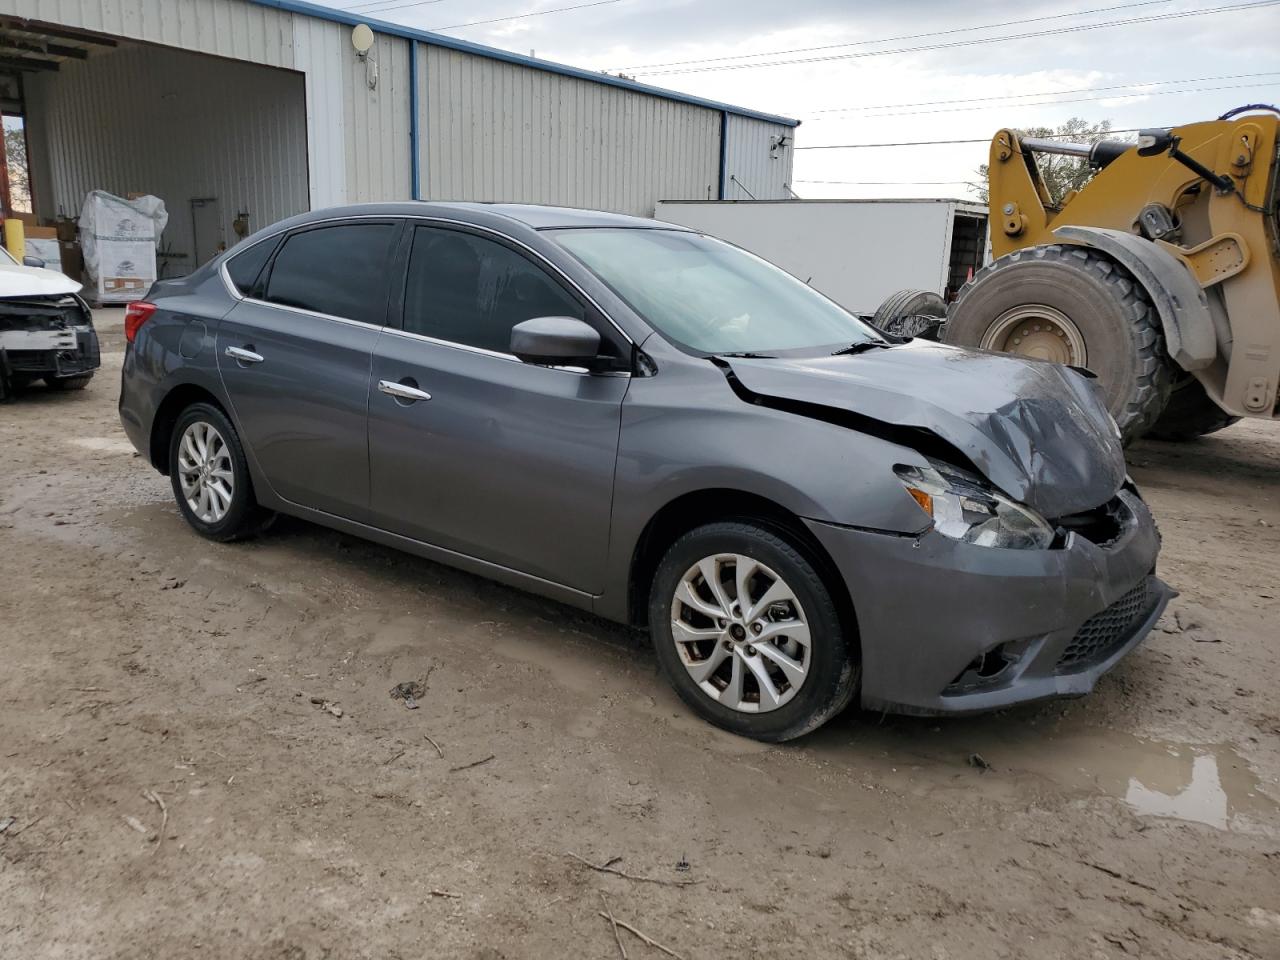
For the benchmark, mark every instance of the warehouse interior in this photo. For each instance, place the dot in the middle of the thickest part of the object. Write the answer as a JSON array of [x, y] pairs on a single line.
[[222, 142]]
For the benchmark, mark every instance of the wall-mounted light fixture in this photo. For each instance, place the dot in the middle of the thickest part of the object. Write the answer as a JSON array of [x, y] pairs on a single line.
[[362, 38]]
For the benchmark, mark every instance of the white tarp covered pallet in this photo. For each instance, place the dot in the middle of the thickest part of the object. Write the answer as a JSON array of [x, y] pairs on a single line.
[[119, 239]]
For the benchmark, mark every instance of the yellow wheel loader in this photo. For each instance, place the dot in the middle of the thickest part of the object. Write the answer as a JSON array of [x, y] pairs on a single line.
[[1161, 274]]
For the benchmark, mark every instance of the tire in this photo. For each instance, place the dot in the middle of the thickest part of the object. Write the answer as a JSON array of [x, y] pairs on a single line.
[[241, 516], [78, 382], [1190, 414], [828, 661], [1110, 311], [911, 313]]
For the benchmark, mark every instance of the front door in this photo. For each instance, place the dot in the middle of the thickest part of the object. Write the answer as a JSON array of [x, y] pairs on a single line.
[[295, 363], [506, 461]]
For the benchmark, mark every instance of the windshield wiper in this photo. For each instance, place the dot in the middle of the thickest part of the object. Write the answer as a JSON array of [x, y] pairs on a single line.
[[748, 355], [861, 347]]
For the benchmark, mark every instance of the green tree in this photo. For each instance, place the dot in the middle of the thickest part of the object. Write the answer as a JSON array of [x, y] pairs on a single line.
[[15, 151], [1061, 174]]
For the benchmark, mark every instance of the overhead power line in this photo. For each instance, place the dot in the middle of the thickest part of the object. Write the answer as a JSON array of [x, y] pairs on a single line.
[[1050, 103], [906, 36], [887, 183], [476, 23], [814, 114], [934, 143], [536, 13], [1056, 31], [398, 6]]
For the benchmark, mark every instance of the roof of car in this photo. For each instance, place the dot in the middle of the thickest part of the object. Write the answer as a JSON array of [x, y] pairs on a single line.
[[541, 216], [532, 215]]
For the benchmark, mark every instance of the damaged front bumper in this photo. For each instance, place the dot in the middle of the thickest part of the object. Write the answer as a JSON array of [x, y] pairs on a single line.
[[48, 337], [947, 627]]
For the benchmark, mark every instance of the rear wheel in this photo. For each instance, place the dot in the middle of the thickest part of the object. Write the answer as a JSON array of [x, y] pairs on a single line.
[[210, 476], [1190, 413], [78, 382], [1075, 306], [747, 632]]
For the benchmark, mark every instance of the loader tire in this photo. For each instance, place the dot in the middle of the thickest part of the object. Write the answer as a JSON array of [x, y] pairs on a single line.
[[1190, 413], [911, 313], [1076, 306]]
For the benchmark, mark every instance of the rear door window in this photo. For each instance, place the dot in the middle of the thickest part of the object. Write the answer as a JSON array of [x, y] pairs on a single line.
[[471, 290], [340, 270]]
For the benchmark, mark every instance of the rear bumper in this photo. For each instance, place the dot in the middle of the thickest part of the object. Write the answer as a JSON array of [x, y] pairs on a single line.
[[950, 628]]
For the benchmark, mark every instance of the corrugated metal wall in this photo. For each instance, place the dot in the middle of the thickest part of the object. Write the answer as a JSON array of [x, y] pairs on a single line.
[[178, 125], [377, 120], [228, 28], [317, 47], [501, 131], [751, 160], [357, 136], [489, 129]]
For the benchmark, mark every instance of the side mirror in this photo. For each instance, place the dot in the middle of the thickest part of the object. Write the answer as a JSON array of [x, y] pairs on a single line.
[[32, 262], [555, 341], [1152, 143]]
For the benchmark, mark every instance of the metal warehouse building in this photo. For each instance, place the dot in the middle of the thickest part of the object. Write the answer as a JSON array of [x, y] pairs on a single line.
[[240, 112]]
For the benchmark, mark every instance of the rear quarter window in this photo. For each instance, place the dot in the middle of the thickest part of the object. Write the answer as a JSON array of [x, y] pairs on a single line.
[[245, 269]]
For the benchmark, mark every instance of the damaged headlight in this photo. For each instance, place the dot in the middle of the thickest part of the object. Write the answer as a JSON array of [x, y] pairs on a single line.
[[965, 507]]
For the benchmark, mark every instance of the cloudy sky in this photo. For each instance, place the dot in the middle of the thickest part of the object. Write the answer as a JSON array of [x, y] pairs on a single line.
[[856, 73]]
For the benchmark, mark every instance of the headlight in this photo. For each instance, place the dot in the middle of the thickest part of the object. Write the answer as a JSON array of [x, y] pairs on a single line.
[[966, 508]]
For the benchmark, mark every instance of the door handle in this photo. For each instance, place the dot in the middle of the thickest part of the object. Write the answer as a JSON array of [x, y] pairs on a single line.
[[402, 391], [243, 356]]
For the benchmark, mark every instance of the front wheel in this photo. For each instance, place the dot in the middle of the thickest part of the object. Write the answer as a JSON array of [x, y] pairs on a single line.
[[210, 476], [747, 632]]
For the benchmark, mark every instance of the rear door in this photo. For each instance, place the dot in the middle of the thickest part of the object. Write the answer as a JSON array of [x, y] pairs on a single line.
[[294, 357], [506, 461]]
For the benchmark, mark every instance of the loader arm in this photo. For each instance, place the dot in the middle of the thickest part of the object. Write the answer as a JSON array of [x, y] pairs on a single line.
[[1228, 240]]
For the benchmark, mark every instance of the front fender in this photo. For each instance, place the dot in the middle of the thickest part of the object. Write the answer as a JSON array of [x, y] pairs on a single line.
[[1177, 296], [676, 442]]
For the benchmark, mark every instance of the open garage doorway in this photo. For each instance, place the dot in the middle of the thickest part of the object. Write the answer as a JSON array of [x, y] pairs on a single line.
[[222, 142]]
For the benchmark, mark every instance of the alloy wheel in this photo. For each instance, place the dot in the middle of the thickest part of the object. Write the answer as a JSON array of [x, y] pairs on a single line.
[[741, 633], [205, 471]]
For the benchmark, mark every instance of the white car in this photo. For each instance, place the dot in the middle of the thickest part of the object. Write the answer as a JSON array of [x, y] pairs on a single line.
[[46, 329]]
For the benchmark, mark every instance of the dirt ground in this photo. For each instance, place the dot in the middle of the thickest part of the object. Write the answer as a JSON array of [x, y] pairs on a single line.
[[139, 663]]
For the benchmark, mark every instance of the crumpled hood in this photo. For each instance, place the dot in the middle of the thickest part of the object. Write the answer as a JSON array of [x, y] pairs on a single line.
[[19, 281], [1038, 431]]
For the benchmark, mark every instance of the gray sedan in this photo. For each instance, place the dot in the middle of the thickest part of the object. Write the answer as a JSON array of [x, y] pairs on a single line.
[[651, 424]]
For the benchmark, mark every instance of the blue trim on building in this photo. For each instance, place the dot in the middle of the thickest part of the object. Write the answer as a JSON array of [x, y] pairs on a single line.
[[409, 33], [415, 172], [724, 151]]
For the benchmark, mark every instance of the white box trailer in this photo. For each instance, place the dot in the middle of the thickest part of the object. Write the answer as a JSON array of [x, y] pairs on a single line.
[[857, 252]]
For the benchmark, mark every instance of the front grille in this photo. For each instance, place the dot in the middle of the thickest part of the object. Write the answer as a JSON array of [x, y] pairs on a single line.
[[1102, 633], [37, 361]]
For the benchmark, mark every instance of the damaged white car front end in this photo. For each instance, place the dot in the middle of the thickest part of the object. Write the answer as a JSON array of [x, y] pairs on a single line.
[[46, 329]]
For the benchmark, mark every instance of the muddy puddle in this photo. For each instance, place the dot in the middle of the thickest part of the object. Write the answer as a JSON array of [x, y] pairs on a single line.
[[1208, 784]]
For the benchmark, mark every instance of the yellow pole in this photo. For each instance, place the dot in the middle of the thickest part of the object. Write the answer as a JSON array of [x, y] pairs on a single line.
[[15, 238]]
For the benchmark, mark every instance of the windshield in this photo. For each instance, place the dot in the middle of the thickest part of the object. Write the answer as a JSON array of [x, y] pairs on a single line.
[[709, 296], [8, 256]]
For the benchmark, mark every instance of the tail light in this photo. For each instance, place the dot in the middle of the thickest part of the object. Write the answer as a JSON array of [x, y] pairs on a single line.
[[135, 315]]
